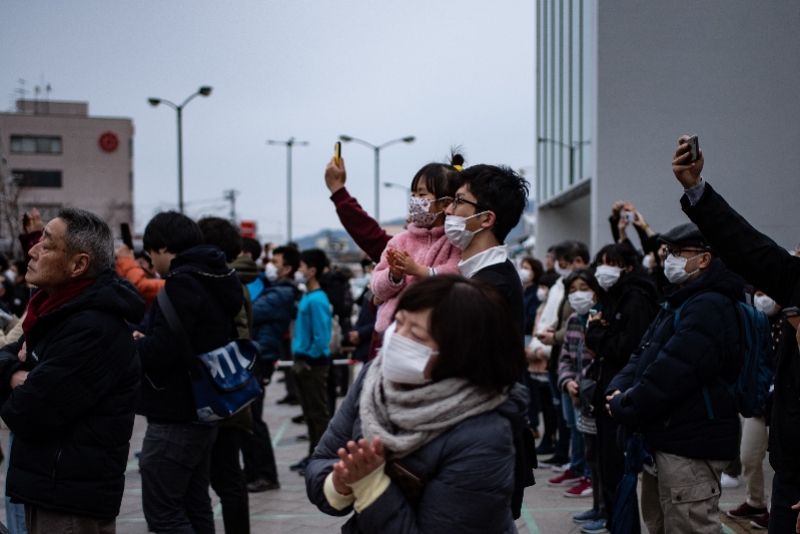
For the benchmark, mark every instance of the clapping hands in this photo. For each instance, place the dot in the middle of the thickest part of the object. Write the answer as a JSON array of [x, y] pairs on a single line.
[[356, 462]]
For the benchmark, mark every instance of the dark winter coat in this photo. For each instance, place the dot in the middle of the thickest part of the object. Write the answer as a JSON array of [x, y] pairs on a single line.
[[72, 418], [469, 472], [532, 304], [628, 310], [273, 310], [767, 266], [207, 295], [505, 279], [662, 385]]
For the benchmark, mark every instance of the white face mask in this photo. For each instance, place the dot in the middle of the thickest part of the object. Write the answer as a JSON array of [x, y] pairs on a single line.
[[300, 278], [563, 273], [765, 304], [541, 294], [419, 212], [525, 275], [455, 228], [648, 262], [607, 275], [581, 301], [675, 269], [404, 360], [271, 272]]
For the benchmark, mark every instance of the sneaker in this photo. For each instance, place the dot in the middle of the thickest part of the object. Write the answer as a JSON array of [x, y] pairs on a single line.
[[568, 478], [302, 437], [263, 484], [560, 468], [728, 481], [599, 525], [553, 460], [290, 400], [583, 517], [745, 510], [761, 522], [583, 489], [299, 465]]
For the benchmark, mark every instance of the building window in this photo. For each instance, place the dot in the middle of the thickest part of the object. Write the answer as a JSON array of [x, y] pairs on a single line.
[[29, 178], [26, 144]]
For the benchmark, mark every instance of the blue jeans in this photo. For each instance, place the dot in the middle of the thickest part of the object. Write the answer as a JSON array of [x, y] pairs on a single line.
[[577, 457], [562, 445], [175, 465], [15, 513], [781, 516]]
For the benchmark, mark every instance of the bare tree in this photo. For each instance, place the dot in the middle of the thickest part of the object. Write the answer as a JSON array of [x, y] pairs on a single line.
[[10, 212]]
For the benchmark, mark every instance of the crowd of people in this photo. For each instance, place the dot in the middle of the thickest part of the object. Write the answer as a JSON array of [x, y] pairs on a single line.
[[683, 352]]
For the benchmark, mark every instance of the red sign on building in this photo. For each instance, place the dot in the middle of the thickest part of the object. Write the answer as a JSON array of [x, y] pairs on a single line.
[[248, 229]]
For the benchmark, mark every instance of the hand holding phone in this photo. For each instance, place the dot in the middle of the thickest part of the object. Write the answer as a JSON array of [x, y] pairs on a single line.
[[337, 152], [694, 149], [127, 237]]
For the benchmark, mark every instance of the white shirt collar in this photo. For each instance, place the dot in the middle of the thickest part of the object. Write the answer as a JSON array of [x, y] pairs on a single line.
[[491, 256]]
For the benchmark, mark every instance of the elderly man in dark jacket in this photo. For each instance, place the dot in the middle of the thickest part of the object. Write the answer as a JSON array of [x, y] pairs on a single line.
[[207, 296], [671, 388], [770, 268], [69, 386]]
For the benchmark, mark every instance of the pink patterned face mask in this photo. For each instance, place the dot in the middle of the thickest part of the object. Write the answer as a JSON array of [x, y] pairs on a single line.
[[418, 212]]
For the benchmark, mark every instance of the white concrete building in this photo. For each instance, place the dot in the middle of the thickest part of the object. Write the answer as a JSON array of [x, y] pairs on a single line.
[[618, 82]]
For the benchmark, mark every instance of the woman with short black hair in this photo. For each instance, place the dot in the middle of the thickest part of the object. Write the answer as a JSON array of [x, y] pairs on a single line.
[[437, 410]]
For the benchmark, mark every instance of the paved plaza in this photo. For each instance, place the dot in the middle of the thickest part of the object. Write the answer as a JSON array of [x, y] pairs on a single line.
[[287, 510]]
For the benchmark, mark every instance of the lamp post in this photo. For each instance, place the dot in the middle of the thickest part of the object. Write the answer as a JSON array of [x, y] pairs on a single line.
[[288, 144], [399, 186], [377, 149], [204, 91], [572, 148]]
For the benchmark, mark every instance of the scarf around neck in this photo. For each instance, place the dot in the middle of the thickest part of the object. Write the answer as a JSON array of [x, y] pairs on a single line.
[[406, 419], [42, 303]]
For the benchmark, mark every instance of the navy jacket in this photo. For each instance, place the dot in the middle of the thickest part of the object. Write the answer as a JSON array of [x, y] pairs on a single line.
[[662, 385], [767, 266], [73, 417], [206, 295], [469, 472], [273, 310]]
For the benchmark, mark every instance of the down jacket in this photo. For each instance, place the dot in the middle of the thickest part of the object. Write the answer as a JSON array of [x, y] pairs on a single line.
[[469, 472], [273, 310], [73, 417], [662, 385]]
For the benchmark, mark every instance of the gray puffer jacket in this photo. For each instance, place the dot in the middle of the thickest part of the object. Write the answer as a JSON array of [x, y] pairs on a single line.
[[469, 472]]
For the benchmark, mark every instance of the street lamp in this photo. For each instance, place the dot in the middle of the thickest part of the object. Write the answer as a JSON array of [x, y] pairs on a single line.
[[289, 144], [377, 149], [572, 148], [204, 91], [399, 186]]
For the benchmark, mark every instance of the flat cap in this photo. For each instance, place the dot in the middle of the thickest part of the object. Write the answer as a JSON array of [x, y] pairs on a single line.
[[685, 235]]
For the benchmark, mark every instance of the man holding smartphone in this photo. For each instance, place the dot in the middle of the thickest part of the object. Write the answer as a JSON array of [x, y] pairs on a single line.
[[766, 265]]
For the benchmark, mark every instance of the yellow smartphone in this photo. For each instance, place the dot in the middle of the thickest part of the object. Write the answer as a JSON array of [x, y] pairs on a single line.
[[337, 152]]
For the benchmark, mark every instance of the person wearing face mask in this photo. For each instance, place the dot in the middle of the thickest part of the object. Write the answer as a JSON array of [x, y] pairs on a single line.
[[550, 332], [674, 387], [273, 310], [584, 294], [629, 306], [427, 436], [423, 250], [530, 272], [487, 205], [755, 434]]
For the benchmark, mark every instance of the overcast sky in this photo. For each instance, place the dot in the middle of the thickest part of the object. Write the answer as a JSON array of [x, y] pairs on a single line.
[[448, 72]]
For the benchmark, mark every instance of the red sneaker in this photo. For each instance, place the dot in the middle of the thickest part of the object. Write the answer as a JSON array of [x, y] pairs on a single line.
[[584, 489], [745, 510], [567, 478], [761, 522]]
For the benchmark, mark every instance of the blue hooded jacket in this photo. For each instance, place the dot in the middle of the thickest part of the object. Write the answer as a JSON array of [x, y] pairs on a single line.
[[273, 311]]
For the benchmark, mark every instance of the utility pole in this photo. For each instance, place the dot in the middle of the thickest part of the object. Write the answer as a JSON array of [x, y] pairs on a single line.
[[230, 195]]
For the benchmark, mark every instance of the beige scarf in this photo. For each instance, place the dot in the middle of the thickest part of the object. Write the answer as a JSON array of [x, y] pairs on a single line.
[[406, 418]]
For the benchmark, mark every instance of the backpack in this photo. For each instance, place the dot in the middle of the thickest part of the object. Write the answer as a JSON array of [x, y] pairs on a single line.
[[751, 388]]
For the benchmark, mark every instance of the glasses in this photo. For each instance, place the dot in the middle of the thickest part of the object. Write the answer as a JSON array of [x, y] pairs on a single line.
[[678, 251], [461, 200]]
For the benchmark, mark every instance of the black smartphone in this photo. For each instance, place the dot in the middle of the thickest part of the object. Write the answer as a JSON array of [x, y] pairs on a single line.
[[127, 237], [694, 149], [337, 152], [792, 314]]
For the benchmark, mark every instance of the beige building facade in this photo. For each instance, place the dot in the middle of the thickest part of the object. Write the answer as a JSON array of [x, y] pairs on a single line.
[[55, 155]]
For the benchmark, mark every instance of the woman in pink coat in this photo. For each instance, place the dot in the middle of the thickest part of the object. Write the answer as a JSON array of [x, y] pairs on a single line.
[[423, 250]]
